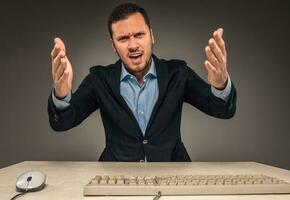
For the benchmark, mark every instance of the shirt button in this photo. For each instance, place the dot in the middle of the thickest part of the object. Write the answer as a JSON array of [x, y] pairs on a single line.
[[145, 141]]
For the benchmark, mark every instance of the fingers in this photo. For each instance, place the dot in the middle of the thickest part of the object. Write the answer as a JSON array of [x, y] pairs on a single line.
[[216, 50], [60, 71], [60, 43], [56, 61], [64, 77], [210, 56], [217, 35], [210, 67], [58, 46], [216, 63], [57, 54], [54, 51]]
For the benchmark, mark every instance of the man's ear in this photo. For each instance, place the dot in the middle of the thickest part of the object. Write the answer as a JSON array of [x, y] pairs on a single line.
[[152, 36], [113, 45]]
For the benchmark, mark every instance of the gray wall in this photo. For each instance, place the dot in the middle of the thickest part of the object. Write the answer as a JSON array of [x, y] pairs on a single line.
[[257, 39]]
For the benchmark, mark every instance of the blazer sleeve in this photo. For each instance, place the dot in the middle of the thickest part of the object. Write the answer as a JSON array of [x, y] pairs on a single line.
[[198, 93], [83, 102]]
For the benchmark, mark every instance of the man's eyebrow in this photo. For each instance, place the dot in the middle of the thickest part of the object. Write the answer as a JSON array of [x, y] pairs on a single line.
[[122, 36], [139, 32]]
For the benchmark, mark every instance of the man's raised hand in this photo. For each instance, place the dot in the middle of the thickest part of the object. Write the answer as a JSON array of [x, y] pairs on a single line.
[[216, 63], [62, 73]]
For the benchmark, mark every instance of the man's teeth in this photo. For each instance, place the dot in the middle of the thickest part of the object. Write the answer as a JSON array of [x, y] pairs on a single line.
[[135, 55]]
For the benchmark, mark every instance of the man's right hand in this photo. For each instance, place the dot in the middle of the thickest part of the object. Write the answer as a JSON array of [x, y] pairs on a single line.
[[62, 72]]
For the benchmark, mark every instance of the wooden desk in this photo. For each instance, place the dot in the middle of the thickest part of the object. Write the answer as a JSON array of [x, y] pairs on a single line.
[[65, 180]]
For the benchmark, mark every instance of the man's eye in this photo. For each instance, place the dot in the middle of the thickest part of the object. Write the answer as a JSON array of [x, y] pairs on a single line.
[[123, 39], [139, 35]]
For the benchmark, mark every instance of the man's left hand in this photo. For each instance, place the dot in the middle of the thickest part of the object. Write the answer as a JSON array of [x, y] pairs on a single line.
[[216, 63]]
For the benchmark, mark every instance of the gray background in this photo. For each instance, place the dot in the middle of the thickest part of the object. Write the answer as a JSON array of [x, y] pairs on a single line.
[[257, 39]]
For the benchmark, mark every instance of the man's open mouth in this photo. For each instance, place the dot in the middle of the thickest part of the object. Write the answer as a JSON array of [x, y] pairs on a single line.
[[135, 55], [136, 58]]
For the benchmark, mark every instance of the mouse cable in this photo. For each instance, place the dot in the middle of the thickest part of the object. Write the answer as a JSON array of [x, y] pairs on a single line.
[[18, 195], [157, 196]]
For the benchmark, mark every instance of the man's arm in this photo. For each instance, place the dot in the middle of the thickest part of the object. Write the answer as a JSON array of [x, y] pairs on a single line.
[[218, 98], [70, 111], [83, 102], [199, 94]]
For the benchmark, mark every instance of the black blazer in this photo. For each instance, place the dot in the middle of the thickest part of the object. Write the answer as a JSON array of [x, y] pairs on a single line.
[[124, 139]]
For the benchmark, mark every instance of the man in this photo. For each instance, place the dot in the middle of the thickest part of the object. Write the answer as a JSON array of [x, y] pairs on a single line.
[[140, 96]]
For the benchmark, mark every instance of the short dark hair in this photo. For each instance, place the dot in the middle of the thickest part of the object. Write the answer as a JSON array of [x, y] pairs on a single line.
[[123, 11]]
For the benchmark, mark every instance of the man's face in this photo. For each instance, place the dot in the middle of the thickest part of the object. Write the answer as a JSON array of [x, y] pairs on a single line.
[[133, 41]]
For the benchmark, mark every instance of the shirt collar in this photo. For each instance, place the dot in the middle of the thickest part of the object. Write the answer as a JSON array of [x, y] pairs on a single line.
[[152, 71]]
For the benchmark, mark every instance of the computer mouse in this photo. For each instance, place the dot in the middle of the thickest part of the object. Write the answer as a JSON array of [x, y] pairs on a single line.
[[30, 181]]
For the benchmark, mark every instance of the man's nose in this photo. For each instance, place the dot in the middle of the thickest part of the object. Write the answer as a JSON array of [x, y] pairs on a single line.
[[133, 44]]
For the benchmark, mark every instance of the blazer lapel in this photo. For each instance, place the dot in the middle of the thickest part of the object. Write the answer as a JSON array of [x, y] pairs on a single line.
[[115, 85], [162, 77]]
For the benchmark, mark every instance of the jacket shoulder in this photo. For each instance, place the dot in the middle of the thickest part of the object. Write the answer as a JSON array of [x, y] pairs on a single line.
[[175, 65], [177, 62], [173, 62], [101, 68]]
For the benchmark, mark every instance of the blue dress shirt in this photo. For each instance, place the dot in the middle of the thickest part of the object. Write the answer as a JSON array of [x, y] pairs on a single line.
[[140, 98]]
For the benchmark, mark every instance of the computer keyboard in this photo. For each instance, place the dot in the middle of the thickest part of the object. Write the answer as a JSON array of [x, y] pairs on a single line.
[[185, 185]]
